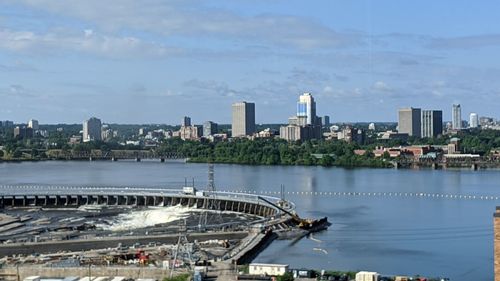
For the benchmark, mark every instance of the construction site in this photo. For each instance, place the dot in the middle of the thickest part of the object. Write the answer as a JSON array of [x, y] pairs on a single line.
[[61, 231]]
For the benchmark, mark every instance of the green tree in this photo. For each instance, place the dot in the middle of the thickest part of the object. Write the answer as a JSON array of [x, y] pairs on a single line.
[[288, 276]]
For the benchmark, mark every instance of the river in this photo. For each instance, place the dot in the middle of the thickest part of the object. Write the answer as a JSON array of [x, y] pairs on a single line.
[[388, 234]]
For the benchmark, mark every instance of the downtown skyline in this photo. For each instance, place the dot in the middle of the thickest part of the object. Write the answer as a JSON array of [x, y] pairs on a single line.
[[155, 61]]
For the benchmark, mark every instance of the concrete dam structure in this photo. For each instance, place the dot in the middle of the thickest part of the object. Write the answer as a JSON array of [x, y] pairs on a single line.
[[76, 197]]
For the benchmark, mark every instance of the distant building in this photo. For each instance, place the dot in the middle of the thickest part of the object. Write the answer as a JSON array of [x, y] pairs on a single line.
[[350, 134], [92, 130], [267, 269], [33, 124], [106, 133], [75, 139], [409, 121], [6, 124], [432, 123], [186, 121], [22, 132], [325, 121], [454, 146], [243, 121], [367, 276], [486, 121], [371, 127], [306, 107], [456, 117], [305, 125], [297, 120], [189, 133], [473, 120], [302, 133], [266, 133], [209, 128], [390, 135], [142, 131]]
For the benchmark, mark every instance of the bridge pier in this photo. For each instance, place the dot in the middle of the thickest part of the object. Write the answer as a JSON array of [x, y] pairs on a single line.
[[91, 159], [114, 159], [162, 159], [137, 159], [474, 167]]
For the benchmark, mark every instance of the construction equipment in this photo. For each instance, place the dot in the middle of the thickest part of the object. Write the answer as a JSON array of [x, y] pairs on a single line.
[[306, 224]]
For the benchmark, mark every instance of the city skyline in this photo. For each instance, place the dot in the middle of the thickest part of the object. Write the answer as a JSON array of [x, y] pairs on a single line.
[[129, 65]]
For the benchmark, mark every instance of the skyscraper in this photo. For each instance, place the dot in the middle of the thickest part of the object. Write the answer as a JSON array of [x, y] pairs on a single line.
[[243, 123], [432, 123], [33, 124], [456, 118], [409, 121], [186, 121], [473, 120], [306, 107], [92, 129], [325, 121], [209, 128]]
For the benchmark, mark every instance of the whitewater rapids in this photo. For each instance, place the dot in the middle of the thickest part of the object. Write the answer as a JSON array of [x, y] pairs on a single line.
[[149, 217]]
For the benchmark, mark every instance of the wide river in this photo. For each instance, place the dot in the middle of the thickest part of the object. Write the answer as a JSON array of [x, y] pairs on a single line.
[[388, 234]]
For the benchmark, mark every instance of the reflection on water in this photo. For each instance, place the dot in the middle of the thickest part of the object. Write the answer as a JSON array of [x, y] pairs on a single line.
[[399, 235]]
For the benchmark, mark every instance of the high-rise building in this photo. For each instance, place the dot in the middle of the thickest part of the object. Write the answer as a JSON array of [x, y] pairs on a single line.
[[22, 132], [473, 120], [33, 124], [209, 128], [456, 118], [243, 123], [409, 121], [432, 123], [306, 107], [92, 129], [325, 121], [186, 121]]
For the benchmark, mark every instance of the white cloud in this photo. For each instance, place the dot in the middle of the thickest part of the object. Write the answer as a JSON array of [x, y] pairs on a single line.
[[86, 41], [381, 86], [192, 18]]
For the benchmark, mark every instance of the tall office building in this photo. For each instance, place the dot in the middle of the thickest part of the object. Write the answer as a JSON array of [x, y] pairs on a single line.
[[473, 120], [92, 129], [306, 107], [186, 121], [243, 123], [209, 128], [456, 118], [33, 124], [432, 123], [409, 121], [325, 121]]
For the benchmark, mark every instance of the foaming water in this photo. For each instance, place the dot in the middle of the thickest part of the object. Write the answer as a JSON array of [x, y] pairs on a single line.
[[147, 218]]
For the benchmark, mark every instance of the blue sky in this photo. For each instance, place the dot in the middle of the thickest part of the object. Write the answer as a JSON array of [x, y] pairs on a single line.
[[155, 61]]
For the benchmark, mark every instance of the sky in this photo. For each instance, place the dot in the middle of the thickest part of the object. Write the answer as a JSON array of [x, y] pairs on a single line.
[[155, 61]]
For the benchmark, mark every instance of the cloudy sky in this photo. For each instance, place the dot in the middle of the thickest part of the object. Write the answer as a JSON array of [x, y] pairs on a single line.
[[154, 61]]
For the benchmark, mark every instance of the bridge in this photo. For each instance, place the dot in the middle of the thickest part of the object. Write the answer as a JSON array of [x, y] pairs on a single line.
[[62, 196], [114, 155]]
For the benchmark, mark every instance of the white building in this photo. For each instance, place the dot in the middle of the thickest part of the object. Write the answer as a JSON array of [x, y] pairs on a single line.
[[92, 130], [243, 119], [367, 276], [267, 269], [33, 124], [306, 107], [473, 120]]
